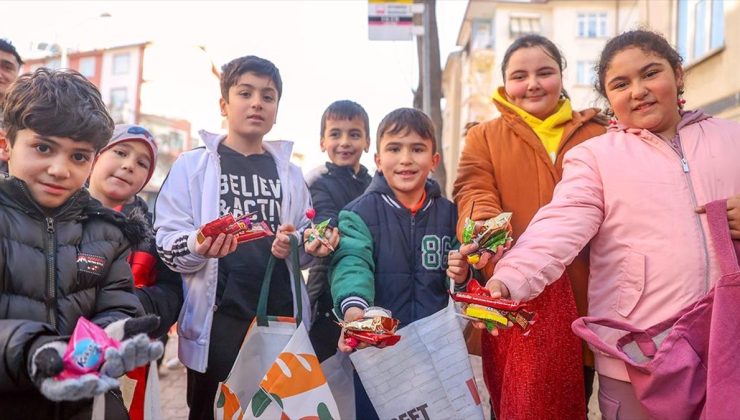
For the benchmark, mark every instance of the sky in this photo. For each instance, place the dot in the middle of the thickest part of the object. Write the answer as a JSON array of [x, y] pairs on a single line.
[[320, 46]]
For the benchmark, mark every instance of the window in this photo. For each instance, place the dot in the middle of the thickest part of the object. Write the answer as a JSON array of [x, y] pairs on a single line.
[[54, 64], [585, 74], [118, 104], [482, 34], [700, 28], [118, 97], [121, 63], [523, 25], [87, 66], [592, 25]]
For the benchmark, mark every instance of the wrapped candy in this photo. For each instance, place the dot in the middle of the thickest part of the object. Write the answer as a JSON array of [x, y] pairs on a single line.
[[376, 328], [319, 230], [242, 228], [85, 351], [496, 232], [482, 307]]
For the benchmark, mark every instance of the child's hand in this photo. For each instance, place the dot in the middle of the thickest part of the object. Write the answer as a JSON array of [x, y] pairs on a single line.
[[318, 248], [458, 268], [733, 215], [486, 257], [352, 314], [498, 290], [281, 244], [219, 247]]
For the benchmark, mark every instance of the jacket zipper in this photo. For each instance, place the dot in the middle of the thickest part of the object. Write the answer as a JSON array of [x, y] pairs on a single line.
[[685, 168], [413, 270], [51, 286]]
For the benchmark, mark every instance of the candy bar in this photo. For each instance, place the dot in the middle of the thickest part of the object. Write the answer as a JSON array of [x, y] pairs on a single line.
[[243, 228], [377, 328]]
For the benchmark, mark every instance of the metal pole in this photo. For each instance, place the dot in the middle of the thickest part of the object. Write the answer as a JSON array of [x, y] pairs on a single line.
[[426, 83]]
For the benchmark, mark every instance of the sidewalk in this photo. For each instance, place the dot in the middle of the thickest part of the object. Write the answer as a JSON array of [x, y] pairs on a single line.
[[173, 385]]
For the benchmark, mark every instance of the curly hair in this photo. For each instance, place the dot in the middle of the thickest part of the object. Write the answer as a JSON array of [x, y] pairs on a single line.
[[647, 41], [59, 103]]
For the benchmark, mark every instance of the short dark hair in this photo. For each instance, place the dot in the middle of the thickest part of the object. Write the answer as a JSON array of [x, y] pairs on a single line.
[[647, 41], [9, 48], [405, 120], [534, 40], [232, 70], [59, 103], [345, 110]]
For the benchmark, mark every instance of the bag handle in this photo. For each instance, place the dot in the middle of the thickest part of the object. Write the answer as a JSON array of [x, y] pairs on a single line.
[[719, 230], [642, 339], [265, 291]]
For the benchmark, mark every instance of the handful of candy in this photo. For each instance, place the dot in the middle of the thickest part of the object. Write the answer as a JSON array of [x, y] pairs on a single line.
[[320, 230], [496, 232], [377, 328], [482, 307], [242, 227], [85, 351]]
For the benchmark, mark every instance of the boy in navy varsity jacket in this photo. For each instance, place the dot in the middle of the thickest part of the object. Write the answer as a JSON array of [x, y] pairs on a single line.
[[345, 135], [396, 237]]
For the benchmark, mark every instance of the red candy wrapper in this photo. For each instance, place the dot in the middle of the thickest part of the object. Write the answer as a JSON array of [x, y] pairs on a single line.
[[515, 312], [375, 330], [243, 228], [86, 350]]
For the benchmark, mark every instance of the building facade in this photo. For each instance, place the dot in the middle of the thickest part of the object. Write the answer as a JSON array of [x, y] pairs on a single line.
[[579, 28], [169, 89], [707, 35]]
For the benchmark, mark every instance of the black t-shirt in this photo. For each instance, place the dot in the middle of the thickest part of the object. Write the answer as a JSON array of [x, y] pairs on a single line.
[[251, 184]]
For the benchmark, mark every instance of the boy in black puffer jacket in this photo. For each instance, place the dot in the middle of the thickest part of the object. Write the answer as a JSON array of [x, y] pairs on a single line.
[[62, 254], [345, 135]]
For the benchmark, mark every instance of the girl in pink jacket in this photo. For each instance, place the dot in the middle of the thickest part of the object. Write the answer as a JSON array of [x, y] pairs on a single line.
[[634, 195]]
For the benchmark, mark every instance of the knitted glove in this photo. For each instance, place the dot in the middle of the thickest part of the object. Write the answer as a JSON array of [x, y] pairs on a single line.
[[46, 363], [136, 348]]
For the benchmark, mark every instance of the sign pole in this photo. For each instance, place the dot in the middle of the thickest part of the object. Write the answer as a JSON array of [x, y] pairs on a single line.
[[426, 64]]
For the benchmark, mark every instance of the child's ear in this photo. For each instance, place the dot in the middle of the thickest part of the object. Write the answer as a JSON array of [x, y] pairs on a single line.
[[679, 77], [222, 104], [367, 145], [435, 161], [377, 163], [4, 147], [321, 142]]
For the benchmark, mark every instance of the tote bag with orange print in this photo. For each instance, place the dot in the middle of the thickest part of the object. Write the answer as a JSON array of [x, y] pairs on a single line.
[[276, 373]]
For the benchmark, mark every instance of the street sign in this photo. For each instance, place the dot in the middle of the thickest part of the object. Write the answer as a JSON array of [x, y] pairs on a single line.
[[390, 20]]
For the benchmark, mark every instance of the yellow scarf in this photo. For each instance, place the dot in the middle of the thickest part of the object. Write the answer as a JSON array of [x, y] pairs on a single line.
[[549, 131]]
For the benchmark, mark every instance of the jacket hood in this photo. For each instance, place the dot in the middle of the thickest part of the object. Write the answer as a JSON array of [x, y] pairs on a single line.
[[687, 118], [14, 193], [133, 224], [80, 206], [380, 185]]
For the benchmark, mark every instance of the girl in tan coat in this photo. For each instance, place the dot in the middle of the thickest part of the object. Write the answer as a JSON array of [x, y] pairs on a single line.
[[512, 163]]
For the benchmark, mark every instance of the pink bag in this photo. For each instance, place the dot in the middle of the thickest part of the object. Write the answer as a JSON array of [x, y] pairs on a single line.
[[687, 366]]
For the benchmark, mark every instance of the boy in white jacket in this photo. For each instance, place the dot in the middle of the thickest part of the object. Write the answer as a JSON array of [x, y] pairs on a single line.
[[237, 173]]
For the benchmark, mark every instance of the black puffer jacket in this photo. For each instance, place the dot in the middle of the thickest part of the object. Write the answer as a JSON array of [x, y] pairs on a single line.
[[163, 297], [54, 269]]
